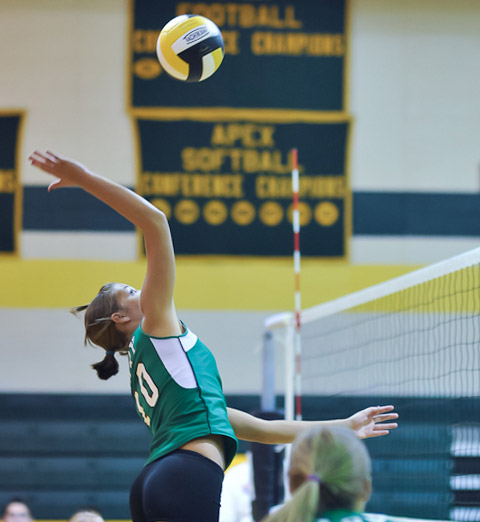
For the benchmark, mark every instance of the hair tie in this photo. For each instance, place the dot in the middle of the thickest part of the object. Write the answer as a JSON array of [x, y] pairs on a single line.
[[110, 352], [314, 478]]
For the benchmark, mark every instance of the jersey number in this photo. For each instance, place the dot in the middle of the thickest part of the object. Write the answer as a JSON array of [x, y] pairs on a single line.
[[149, 392]]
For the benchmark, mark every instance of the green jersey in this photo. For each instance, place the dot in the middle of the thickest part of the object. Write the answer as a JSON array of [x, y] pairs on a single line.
[[178, 392], [342, 515]]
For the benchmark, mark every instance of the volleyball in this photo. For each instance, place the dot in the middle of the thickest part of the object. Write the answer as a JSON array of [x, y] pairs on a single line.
[[190, 48]]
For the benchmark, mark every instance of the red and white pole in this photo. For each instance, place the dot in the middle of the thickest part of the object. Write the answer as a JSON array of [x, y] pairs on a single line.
[[298, 301]]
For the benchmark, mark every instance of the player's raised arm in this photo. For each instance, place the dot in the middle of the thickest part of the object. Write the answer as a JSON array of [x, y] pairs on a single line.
[[156, 298], [370, 422]]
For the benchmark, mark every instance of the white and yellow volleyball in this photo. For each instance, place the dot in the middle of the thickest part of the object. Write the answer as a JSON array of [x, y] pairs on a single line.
[[190, 48]]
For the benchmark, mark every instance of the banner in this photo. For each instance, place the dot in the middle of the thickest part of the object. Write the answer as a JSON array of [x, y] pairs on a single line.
[[214, 155], [226, 185], [10, 188], [279, 55]]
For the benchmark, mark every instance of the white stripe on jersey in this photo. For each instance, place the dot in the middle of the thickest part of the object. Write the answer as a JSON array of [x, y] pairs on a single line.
[[188, 341], [174, 358]]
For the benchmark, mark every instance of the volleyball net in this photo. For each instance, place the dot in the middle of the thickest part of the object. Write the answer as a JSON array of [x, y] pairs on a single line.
[[413, 342]]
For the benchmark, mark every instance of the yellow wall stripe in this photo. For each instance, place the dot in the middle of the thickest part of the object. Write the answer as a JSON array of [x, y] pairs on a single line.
[[202, 282]]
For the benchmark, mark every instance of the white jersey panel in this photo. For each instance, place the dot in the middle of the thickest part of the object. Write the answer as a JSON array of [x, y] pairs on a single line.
[[188, 341], [175, 360]]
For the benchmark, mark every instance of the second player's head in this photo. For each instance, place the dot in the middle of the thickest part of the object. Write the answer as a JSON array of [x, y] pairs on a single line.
[[330, 469]]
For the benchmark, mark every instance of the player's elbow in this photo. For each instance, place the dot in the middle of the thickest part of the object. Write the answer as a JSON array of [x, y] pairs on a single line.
[[156, 221], [158, 215]]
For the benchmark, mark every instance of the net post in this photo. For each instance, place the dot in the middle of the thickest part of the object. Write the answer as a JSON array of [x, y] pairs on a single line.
[[289, 392], [296, 267], [289, 372], [268, 372]]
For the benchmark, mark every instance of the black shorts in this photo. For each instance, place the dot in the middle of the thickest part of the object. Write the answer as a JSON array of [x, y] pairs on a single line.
[[182, 486]]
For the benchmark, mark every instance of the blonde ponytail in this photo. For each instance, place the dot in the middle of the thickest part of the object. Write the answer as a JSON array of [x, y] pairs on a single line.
[[329, 469], [301, 508]]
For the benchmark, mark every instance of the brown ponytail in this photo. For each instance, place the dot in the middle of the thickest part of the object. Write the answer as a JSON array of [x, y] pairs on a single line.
[[100, 330], [108, 367]]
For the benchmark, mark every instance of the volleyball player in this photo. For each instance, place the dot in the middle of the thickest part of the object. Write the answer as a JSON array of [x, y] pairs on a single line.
[[174, 378], [330, 478]]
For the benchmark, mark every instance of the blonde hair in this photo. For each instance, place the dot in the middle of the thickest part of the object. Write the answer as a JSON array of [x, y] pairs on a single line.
[[329, 469]]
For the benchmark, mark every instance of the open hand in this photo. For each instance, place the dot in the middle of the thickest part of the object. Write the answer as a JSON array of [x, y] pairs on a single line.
[[68, 173], [371, 422]]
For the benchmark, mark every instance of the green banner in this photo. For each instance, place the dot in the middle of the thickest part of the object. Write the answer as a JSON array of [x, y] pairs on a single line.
[[10, 188], [226, 185], [278, 55]]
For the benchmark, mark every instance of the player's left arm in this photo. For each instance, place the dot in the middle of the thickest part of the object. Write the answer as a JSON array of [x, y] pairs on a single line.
[[370, 422]]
